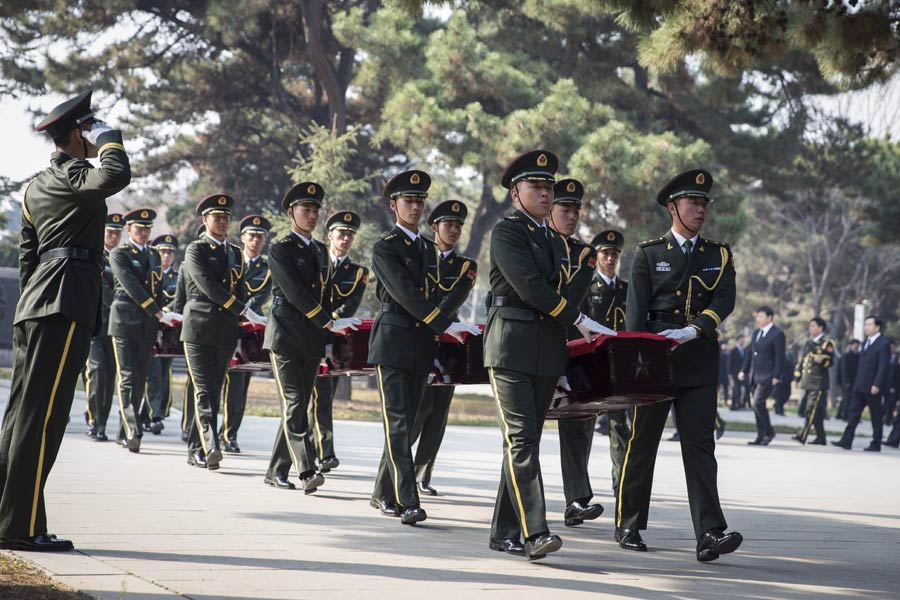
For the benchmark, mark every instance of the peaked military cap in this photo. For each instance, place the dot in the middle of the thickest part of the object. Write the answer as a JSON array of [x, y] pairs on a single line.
[[68, 115], [343, 219], [695, 182], [255, 223], [114, 221], [140, 216], [306, 191], [450, 210], [568, 191], [408, 183], [215, 203], [608, 239], [536, 165], [166, 241]]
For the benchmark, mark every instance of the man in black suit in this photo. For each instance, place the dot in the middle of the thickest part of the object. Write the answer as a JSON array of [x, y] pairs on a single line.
[[872, 379], [846, 376], [735, 364], [764, 364]]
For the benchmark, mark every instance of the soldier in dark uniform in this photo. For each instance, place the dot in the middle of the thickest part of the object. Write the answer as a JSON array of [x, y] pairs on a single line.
[[60, 269], [187, 402], [456, 277], [575, 435], [214, 284], [159, 380], [257, 293], [812, 375], [525, 348], [134, 319], [347, 285], [607, 306], [100, 378], [299, 321], [682, 286], [402, 344]]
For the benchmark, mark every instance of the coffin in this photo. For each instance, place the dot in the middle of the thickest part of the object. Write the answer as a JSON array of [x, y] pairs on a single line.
[[249, 354], [168, 342], [610, 374]]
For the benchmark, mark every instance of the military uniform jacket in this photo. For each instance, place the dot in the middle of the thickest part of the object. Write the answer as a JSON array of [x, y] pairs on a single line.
[[107, 285], [65, 207], [581, 259], [138, 293], [528, 276], [180, 298], [169, 287], [410, 322], [300, 306], [213, 285], [606, 303], [670, 290], [810, 374], [348, 283], [257, 283], [456, 278]]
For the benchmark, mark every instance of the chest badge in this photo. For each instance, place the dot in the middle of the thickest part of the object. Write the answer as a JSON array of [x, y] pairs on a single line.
[[663, 267]]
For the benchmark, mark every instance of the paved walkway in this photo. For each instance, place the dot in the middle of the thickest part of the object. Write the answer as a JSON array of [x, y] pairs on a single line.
[[819, 523]]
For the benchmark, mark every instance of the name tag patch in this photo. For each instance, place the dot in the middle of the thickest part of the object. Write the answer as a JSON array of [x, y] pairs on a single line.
[[663, 267], [712, 269]]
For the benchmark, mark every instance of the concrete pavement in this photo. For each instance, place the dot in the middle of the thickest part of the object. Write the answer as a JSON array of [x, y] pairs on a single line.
[[818, 522]]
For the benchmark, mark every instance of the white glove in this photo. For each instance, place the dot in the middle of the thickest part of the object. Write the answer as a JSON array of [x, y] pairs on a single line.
[[342, 325], [563, 384], [97, 129], [253, 317], [685, 334], [457, 328], [587, 326], [171, 318]]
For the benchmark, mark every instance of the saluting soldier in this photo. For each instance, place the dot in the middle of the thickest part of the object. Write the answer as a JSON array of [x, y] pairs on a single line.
[[607, 305], [575, 435], [134, 319], [187, 402], [682, 287], [101, 365], [214, 279], [455, 279], [257, 293], [812, 375], [159, 381], [347, 285], [60, 269], [525, 348], [299, 323], [402, 344]]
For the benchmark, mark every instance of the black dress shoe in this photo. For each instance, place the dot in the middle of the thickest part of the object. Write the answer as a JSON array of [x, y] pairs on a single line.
[[329, 463], [579, 512], [755, 442], [425, 489], [38, 543], [197, 460], [133, 444], [872, 448], [213, 459], [185, 436], [841, 444], [412, 515], [311, 483], [384, 507], [540, 545], [767, 439], [101, 437], [714, 542], [280, 483], [893, 444], [231, 447], [156, 427], [720, 430], [816, 442], [630, 539], [510, 546]]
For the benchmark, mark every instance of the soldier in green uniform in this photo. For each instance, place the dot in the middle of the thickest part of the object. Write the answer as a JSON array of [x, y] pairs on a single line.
[[682, 287], [299, 321], [455, 279], [134, 319], [257, 293], [606, 305], [100, 379], [214, 282], [402, 344], [525, 348], [187, 402], [812, 375], [347, 285], [159, 380], [60, 270], [575, 435]]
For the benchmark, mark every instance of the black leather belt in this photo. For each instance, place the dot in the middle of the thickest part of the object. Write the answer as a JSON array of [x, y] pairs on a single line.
[[670, 317], [394, 308], [73, 253], [280, 301], [200, 298], [511, 302], [122, 296]]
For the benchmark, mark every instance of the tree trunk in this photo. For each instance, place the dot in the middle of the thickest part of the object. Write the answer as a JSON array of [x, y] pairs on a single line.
[[486, 215], [313, 28]]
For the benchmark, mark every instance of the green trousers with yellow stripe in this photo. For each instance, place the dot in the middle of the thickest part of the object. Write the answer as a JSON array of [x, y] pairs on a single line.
[[695, 409], [320, 413], [132, 367], [576, 437], [100, 381], [207, 366], [815, 414], [48, 355], [520, 510], [237, 384], [295, 378]]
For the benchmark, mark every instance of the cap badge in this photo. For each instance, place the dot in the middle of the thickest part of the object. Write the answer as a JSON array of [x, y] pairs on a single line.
[[348, 217], [611, 236], [256, 221], [116, 218], [701, 178], [542, 160], [222, 201], [415, 179], [571, 187], [169, 238], [311, 190], [455, 207], [144, 214]]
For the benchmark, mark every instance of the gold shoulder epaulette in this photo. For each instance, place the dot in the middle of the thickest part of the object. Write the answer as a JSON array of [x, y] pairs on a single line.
[[658, 240], [287, 239], [714, 243], [390, 236], [513, 218]]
